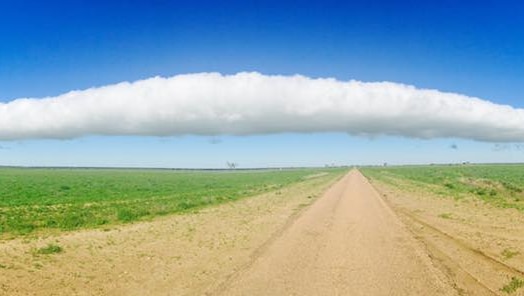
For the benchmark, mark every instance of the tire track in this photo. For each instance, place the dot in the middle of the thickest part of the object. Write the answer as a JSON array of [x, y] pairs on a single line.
[[473, 271]]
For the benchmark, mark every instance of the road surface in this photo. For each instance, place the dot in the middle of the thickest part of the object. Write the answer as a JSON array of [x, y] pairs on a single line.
[[349, 242]]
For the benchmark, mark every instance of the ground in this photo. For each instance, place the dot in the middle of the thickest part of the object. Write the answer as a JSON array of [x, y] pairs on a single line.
[[321, 236]]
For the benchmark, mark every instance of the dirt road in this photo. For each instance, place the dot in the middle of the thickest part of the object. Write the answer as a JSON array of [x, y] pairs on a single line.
[[347, 243]]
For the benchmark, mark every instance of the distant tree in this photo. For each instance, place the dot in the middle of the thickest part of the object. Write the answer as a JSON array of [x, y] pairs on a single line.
[[231, 165]]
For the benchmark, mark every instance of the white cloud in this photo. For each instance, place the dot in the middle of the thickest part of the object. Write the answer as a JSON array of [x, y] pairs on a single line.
[[252, 103]]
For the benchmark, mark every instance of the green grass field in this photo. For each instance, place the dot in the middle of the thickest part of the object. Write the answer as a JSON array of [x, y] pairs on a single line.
[[500, 185], [67, 199]]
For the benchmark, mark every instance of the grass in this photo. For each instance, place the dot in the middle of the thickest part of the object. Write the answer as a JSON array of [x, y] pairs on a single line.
[[49, 249], [499, 185], [508, 254], [513, 285], [33, 200], [446, 216]]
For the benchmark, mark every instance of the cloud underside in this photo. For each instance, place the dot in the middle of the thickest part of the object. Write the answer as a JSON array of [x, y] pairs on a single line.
[[251, 103]]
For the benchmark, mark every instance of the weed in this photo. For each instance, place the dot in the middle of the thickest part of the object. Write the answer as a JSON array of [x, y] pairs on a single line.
[[513, 285], [449, 185], [38, 265], [131, 214], [511, 187], [446, 216], [49, 249], [65, 187], [508, 254], [186, 205]]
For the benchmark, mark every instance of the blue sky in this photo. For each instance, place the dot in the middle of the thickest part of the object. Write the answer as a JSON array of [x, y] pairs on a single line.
[[52, 47]]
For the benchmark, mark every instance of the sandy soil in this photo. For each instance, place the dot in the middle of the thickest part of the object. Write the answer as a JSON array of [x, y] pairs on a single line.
[[186, 254], [479, 247]]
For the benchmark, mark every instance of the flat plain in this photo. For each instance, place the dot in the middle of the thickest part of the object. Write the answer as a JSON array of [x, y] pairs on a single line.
[[33, 200], [411, 230]]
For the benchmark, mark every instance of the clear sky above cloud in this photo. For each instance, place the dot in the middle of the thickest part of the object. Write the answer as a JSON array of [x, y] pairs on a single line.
[[475, 50]]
